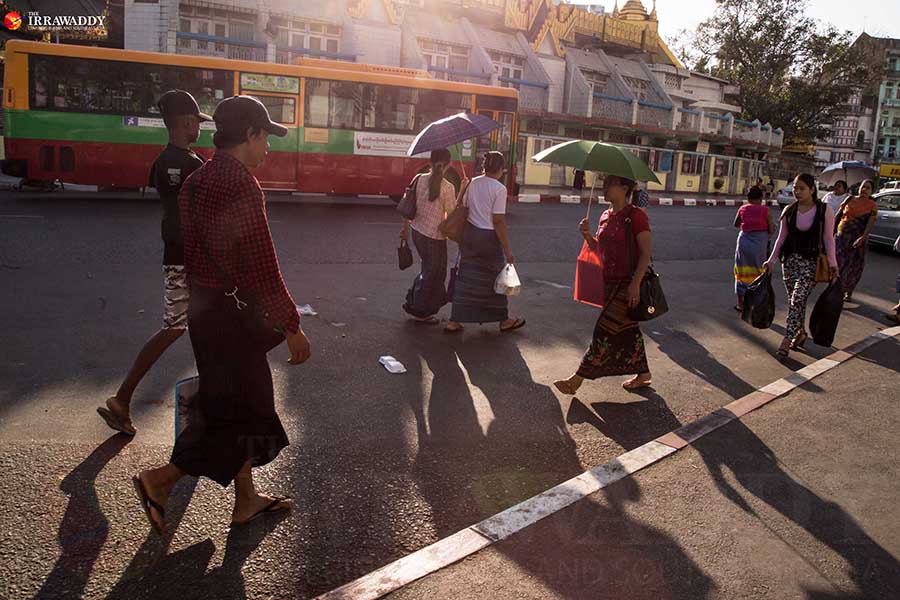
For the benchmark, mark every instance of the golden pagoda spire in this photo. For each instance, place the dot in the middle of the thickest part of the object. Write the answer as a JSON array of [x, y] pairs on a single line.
[[616, 10], [653, 15]]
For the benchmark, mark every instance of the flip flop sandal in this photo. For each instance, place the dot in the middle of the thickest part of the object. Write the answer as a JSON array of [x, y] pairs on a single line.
[[453, 329], [429, 321], [270, 508], [517, 324], [115, 421], [147, 503], [631, 385]]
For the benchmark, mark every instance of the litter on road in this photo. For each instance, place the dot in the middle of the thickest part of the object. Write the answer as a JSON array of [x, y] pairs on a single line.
[[306, 310], [392, 364]]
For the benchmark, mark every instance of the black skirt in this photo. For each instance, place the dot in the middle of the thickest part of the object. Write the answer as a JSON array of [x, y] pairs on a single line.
[[235, 419]]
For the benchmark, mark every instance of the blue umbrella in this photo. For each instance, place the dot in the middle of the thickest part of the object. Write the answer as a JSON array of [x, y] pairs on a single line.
[[851, 171], [445, 132]]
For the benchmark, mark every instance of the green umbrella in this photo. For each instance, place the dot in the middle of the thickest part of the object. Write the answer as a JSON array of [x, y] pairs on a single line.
[[598, 157]]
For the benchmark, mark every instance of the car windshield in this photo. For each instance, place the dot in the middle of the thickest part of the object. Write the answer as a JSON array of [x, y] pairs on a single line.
[[889, 201]]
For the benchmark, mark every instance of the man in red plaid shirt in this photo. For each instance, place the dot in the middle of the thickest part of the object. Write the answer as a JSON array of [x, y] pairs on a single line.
[[240, 309]]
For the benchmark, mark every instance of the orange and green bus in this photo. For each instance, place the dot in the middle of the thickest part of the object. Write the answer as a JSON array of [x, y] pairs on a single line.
[[88, 115]]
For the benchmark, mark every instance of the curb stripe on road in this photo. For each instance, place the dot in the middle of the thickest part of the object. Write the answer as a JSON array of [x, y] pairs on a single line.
[[498, 527], [575, 199]]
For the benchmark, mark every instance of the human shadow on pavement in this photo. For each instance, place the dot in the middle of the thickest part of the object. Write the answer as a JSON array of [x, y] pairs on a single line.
[[84, 528], [693, 357], [595, 549], [488, 446], [154, 548], [629, 424], [735, 447], [183, 574]]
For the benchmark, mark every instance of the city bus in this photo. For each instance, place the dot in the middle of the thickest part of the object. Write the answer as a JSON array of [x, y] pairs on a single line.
[[88, 115]]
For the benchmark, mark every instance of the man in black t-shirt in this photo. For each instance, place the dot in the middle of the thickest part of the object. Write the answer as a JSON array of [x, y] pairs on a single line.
[[182, 118]]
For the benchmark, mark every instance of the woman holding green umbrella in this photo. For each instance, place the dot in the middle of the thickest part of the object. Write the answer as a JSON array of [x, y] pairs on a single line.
[[623, 239]]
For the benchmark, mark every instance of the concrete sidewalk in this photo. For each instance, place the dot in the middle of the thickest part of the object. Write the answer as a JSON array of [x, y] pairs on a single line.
[[795, 500]]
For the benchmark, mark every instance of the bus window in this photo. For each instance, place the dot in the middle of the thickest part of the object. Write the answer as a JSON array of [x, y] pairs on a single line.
[[71, 84], [496, 103], [437, 104], [280, 108], [335, 104], [390, 108], [506, 130]]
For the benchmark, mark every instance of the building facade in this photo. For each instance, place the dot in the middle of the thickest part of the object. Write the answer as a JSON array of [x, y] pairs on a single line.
[[852, 135], [581, 72]]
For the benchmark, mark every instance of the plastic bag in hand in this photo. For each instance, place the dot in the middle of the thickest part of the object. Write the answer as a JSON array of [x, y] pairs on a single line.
[[507, 282], [826, 313], [759, 302]]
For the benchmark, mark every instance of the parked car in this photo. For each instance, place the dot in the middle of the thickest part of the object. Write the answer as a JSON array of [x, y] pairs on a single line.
[[887, 226], [786, 194], [891, 185]]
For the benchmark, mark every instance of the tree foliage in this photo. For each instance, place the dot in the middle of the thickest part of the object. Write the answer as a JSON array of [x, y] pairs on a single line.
[[792, 71]]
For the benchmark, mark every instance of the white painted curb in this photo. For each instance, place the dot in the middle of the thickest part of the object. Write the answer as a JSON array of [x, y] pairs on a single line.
[[530, 198], [570, 199], [690, 202], [665, 202], [470, 540]]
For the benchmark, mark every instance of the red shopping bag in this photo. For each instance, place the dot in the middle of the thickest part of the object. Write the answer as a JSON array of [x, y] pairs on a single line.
[[589, 277]]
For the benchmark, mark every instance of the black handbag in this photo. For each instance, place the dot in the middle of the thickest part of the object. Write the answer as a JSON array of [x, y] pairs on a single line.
[[408, 204], [254, 318], [404, 255], [652, 301]]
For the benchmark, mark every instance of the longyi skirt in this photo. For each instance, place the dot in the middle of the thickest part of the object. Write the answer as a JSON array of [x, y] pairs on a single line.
[[235, 420]]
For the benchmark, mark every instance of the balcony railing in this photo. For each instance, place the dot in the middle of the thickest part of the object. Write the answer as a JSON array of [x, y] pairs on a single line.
[[198, 44], [689, 121], [612, 108], [746, 131], [715, 125], [461, 76]]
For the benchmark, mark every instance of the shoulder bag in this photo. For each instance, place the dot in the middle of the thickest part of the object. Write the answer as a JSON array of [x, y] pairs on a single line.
[[454, 225], [254, 317], [408, 204], [652, 301]]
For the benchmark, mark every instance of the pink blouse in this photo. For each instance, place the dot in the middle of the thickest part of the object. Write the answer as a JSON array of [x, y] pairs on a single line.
[[805, 220]]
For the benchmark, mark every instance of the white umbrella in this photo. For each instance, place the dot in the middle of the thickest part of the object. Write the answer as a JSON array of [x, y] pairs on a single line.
[[851, 171]]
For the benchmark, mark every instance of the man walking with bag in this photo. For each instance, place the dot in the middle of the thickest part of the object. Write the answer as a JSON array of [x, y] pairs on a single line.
[[182, 118]]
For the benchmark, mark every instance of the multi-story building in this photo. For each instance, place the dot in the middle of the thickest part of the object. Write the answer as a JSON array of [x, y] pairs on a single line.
[[852, 134], [885, 151], [581, 72]]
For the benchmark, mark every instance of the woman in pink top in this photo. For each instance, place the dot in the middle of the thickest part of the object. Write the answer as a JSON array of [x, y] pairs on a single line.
[[435, 199], [756, 226], [806, 226]]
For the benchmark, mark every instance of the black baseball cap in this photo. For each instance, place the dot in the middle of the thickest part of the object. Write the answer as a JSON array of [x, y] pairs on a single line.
[[177, 103], [240, 112]]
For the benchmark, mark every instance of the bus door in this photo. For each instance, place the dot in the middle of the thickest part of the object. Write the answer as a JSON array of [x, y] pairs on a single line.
[[280, 95], [500, 139]]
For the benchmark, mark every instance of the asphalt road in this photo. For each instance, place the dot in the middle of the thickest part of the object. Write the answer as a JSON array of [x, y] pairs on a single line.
[[380, 464]]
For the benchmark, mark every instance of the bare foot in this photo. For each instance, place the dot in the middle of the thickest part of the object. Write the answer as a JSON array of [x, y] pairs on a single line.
[[249, 509], [569, 386], [453, 327]]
